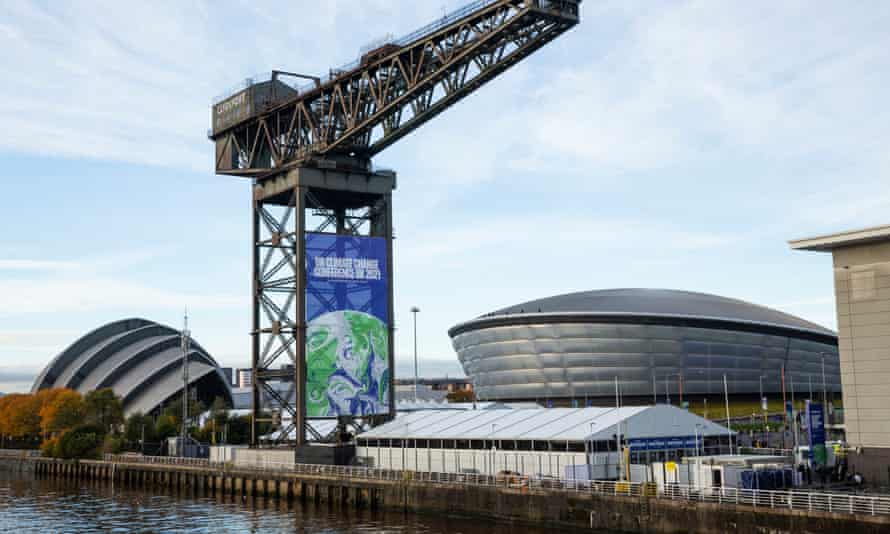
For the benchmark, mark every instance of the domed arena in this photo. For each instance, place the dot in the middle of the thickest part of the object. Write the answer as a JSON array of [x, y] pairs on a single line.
[[656, 344], [141, 361]]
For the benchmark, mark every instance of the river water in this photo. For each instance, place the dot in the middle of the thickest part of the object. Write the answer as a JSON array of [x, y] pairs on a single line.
[[60, 506]]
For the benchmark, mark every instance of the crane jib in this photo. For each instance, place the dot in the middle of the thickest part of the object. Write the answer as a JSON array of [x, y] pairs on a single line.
[[394, 87]]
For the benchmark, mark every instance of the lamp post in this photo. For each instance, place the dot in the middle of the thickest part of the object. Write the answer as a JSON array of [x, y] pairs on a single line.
[[726, 400], [810, 378], [697, 434], [667, 391], [185, 345], [761, 392], [415, 310], [494, 450], [824, 388], [763, 411]]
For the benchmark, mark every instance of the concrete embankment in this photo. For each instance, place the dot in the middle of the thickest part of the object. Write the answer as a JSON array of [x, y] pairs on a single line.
[[554, 508]]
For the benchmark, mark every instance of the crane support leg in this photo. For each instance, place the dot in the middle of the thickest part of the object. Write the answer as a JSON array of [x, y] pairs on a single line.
[[322, 252]]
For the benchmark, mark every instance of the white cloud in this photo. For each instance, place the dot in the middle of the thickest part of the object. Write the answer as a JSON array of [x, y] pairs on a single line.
[[105, 282], [133, 82], [702, 78], [84, 294]]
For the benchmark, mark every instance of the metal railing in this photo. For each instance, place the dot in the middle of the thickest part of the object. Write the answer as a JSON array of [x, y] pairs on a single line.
[[448, 19], [157, 460], [765, 451], [19, 453], [416, 35], [846, 503]]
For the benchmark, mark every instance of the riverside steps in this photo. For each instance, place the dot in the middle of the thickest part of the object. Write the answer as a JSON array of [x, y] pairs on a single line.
[[564, 504]]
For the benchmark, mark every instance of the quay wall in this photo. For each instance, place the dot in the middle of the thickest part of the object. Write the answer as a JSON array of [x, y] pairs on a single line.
[[558, 509]]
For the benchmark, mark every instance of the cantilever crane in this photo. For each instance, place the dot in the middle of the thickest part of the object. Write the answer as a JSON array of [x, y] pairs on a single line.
[[307, 147], [364, 107]]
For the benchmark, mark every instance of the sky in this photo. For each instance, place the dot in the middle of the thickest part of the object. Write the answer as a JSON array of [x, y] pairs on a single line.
[[675, 144]]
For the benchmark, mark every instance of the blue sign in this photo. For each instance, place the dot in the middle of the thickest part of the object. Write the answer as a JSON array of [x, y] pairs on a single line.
[[816, 430], [663, 444], [347, 315]]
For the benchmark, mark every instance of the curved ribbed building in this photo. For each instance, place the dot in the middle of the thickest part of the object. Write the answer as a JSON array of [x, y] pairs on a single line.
[[140, 360], [657, 342]]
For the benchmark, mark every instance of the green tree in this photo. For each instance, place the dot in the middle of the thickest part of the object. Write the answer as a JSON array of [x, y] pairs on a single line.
[[219, 409], [136, 426], [104, 408], [238, 430], [81, 442], [166, 426]]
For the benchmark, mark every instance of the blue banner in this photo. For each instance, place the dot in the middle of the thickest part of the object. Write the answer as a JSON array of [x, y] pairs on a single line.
[[347, 315], [663, 444], [816, 430]]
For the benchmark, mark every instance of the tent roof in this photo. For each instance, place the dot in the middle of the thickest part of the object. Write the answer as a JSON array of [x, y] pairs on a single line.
[[554, 424]]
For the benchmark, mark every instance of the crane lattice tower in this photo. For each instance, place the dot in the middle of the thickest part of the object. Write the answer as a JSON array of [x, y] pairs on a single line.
[[307, 143]]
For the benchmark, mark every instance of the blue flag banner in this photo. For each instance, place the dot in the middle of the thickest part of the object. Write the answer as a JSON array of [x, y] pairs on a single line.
[[816, 429], [347, 315]]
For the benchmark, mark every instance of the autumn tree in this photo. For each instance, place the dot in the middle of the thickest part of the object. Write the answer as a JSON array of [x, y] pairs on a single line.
[[64, 411], [461, 395], [21, 418], [47, 396], [6, 413]]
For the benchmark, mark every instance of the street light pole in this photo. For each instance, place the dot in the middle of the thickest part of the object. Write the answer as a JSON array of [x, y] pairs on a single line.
[[761, 392], [726, 399], [810, 378], [824, 388], [415, 310], [654, 390], [763, 411], [185, 341]]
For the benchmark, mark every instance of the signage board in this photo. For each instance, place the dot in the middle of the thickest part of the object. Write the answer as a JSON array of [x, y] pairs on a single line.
[[347, 336], [233, 110], [816, 430], [256, 97], [663, 444]]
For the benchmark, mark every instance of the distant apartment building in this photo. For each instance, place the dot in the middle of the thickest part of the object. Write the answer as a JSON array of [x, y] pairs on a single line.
[[245, 378]]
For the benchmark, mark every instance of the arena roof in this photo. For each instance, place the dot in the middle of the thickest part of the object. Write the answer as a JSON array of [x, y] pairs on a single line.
[[552, 424], [640, 303], [139, 359]]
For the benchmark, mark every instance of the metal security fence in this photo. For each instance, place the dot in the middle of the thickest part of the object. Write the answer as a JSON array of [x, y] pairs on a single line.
[[843, 503], [157, 460], [19, 453]]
